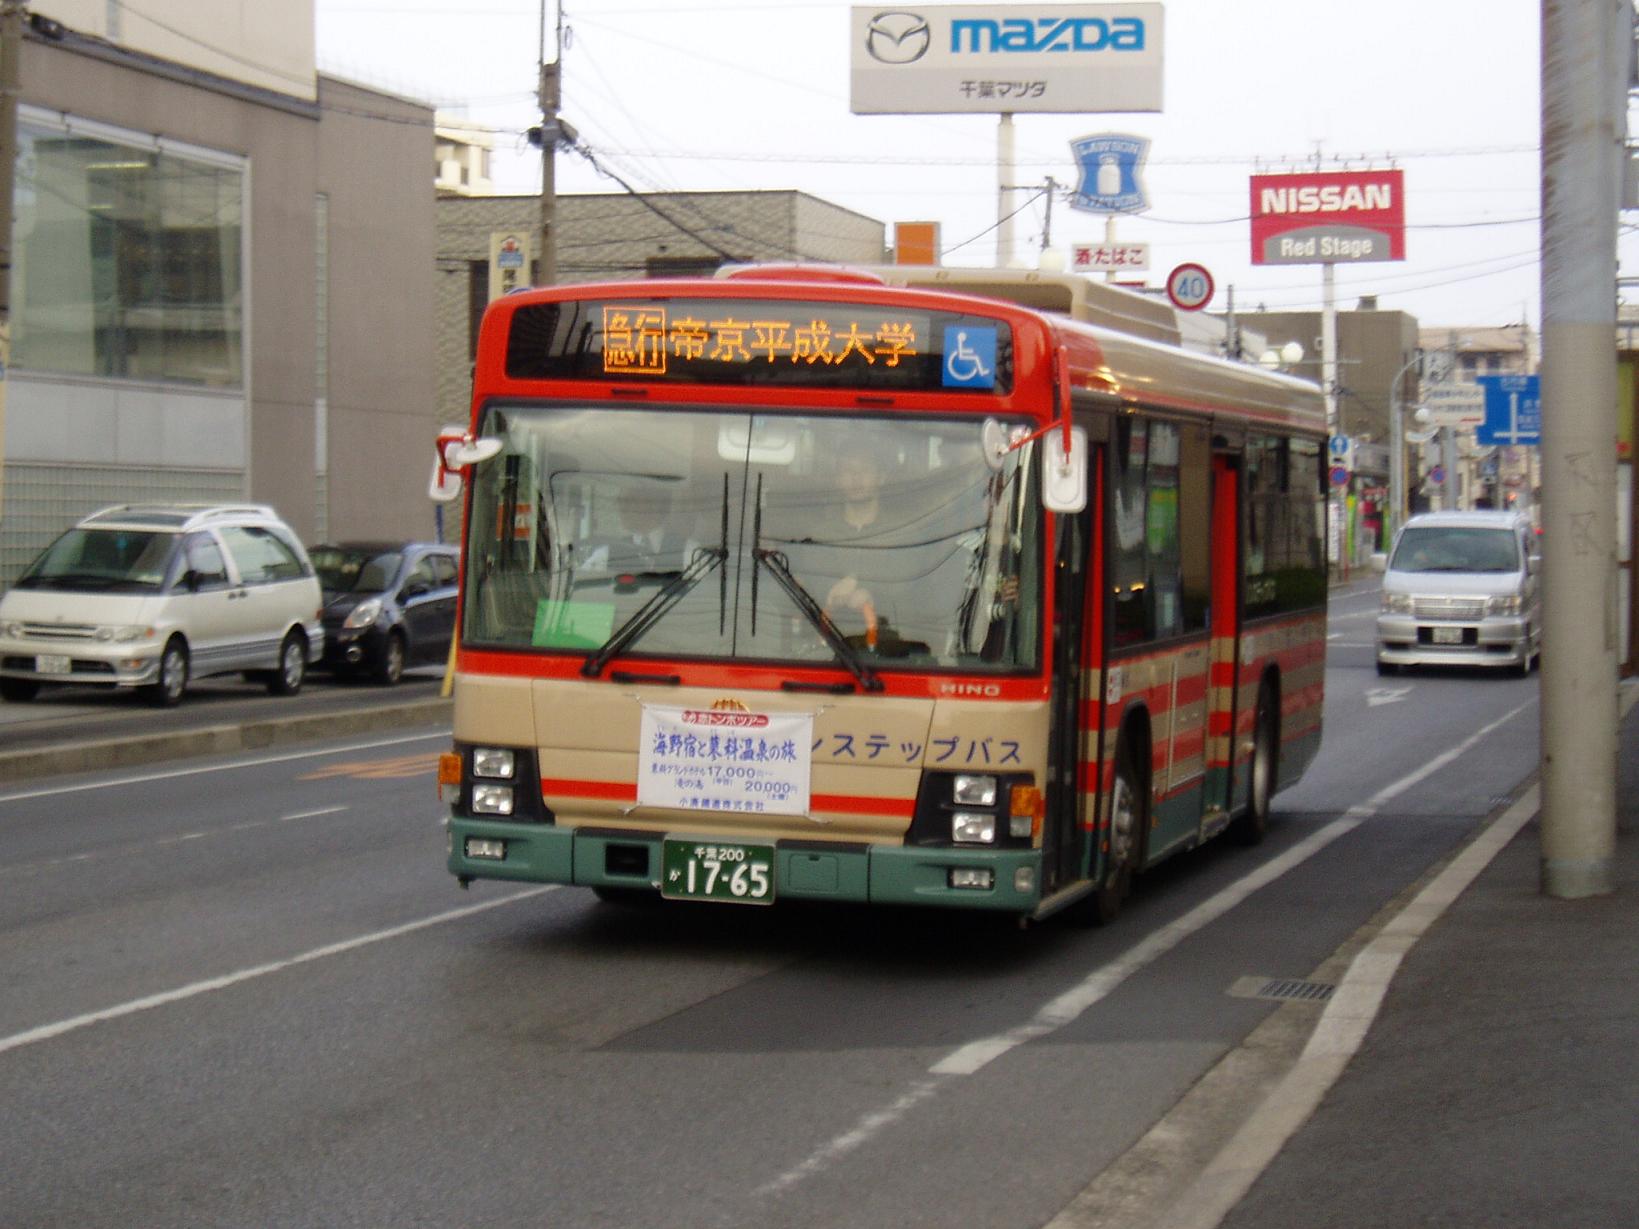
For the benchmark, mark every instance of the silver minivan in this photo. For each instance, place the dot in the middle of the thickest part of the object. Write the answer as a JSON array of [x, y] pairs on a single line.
[[1460, 589], [148, 596]]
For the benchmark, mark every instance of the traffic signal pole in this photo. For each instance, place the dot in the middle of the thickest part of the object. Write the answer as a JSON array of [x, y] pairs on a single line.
[[1585, 44]]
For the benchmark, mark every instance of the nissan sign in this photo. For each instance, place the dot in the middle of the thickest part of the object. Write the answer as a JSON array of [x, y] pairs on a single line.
[[1005, 58], [1328, 217]]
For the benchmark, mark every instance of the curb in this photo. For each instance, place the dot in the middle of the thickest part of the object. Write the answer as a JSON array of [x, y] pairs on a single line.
[[61, 758]]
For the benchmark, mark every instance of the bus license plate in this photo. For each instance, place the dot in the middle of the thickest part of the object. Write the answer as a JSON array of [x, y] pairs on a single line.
[[1447, 635], [53, 663], [717, 870]]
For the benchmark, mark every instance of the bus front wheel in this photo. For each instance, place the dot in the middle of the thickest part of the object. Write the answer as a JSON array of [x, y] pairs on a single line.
[[1125, 834]]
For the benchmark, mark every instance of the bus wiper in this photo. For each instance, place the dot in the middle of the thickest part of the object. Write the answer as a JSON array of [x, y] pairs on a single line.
[[652, 611], [777, 566]]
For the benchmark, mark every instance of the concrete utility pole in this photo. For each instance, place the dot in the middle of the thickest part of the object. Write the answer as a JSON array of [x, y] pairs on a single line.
[[13, 14], [1585, 49], [551, 97]]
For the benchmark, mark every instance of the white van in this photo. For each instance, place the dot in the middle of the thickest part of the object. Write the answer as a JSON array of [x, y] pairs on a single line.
[[151, 595], [1460, 589]]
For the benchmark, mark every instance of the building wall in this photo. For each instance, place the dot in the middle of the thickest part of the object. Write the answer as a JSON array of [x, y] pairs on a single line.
[[1371, 347], [382, 416], [616, 236], [267, 43], [75, 442]]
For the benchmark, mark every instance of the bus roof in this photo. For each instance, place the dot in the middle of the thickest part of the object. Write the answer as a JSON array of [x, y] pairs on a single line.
[[1121, 349], [1060, 294], [1138, 354]]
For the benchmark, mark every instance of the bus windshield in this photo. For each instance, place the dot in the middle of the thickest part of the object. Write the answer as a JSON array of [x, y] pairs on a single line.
[[731, 534]]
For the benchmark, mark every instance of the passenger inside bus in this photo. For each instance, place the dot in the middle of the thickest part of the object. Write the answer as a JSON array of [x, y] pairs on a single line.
[[642, 540], [864, 517]]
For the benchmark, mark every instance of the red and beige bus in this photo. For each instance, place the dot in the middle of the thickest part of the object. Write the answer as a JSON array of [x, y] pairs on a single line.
[[794, 584]]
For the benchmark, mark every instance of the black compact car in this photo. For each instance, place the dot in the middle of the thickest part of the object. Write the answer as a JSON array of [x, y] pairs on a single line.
[[387, 605]]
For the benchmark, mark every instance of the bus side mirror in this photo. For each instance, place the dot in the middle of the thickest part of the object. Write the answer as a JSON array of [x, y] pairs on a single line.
[[1064, 475], [1380, 561], [456, 450]]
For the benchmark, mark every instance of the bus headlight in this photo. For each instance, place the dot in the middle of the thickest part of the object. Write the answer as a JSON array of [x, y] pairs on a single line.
[[973, 828], [1396, 603], [492, 800], [1503, 604], [496, 762], [969, 791]]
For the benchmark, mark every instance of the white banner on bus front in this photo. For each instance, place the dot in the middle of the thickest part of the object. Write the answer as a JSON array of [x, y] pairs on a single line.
[[714, 760]]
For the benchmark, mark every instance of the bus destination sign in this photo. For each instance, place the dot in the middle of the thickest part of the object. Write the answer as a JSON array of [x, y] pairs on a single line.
[[758, 341], [641, 339]]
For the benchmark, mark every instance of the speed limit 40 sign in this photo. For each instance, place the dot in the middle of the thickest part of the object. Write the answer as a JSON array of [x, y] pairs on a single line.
[[1190, 287]]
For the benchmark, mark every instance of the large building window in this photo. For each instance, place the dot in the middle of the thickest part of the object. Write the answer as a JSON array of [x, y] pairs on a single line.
[[128, 258]]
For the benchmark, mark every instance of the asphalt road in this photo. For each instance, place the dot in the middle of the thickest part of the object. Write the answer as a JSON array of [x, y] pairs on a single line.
[[243, 991]]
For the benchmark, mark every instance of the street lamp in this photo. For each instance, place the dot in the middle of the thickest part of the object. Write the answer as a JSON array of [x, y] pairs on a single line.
[[1289, 355], [1397, 439]]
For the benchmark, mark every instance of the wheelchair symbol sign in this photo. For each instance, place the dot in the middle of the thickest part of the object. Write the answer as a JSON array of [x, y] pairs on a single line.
[[970, 356]]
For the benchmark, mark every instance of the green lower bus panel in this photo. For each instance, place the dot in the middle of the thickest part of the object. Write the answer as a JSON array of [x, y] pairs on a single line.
[[538, 853], [916, 875], [1006, 881]]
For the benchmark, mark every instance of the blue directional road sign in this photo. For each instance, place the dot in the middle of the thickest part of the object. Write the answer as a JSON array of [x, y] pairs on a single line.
[[1513, 410]]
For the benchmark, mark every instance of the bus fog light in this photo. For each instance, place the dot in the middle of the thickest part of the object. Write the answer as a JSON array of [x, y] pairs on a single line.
[[1019, 825], [974, 791], [980, 877], [492, 800], [973, 827], [483, 847], [1024, 879], [493, 762]]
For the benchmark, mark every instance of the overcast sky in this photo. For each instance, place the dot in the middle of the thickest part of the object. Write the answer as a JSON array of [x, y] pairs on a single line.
[[734, 94]]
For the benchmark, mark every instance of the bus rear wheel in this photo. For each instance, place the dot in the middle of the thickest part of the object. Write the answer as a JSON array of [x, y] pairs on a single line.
[[1252, 825]]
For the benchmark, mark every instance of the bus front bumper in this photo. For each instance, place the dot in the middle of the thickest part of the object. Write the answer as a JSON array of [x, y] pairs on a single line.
[[804, 870]]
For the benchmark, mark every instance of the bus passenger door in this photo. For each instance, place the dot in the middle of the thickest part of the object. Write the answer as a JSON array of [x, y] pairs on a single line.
[[1224, 657], [1075, 666]]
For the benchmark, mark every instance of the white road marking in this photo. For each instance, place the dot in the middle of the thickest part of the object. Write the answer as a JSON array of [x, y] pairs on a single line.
[[1343, 1025], [47, 1032], [1385, 695], [119, 782], [125, 851], [1344, 1022], [1069, 1006]]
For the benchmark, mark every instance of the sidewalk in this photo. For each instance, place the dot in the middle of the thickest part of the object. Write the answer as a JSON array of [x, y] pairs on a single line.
[[1498, 1085], [219, 717]]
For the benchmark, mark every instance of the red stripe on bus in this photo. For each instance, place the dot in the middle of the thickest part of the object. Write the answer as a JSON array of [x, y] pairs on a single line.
[[626, 791], [745, 681]]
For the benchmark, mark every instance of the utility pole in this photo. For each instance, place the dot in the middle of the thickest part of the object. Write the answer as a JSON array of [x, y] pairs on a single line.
[[550, 97], [13, 15], [1585, 47]]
